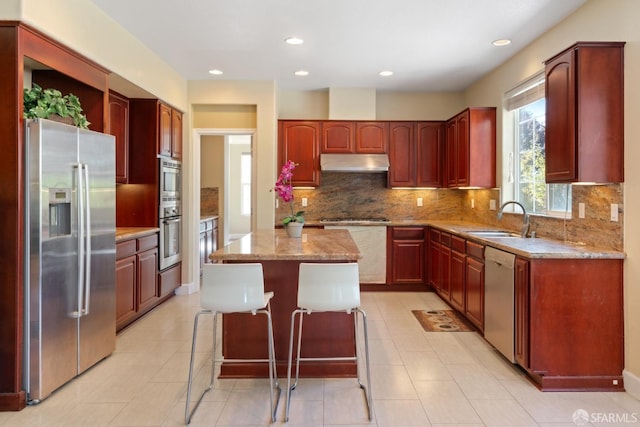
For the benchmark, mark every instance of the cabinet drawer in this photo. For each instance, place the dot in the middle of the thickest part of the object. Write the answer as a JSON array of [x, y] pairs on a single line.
[[434, 235], [457, 244], [147, 242], [408, 233], [125, 249], [445, 239], [475, 250]]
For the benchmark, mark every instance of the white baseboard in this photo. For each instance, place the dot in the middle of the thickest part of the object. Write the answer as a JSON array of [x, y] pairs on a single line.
[[631, 383], [187, 289]]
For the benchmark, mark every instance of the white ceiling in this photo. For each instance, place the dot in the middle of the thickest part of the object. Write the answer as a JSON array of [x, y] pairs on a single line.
[[430, 45]]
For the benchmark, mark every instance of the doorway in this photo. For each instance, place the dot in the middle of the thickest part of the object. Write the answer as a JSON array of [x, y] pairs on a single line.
[[226, 183]]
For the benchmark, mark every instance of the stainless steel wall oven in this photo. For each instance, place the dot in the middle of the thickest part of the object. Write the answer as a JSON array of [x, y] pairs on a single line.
[[170, 234]]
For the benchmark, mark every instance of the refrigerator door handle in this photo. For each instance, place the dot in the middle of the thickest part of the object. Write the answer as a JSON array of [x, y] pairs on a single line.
[[87, 239], [80, 236]]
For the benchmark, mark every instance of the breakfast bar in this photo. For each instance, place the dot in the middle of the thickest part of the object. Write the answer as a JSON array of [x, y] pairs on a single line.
[[325, 334]]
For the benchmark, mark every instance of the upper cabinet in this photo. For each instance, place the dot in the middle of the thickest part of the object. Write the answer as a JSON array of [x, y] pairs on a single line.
[[354, 137], [584, 139], [415, 154], [170, 133], [471, 148], [118, 126], [372, 137], [299, 141], [338, 137]]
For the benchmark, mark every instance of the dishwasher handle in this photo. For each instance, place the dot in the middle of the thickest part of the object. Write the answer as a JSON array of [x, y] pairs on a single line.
[[500, 258]]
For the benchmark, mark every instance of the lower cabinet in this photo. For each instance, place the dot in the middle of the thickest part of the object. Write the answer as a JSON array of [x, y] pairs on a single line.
[[208, 239], [406, 256], [139, 287], [569, 323], [456, 273]]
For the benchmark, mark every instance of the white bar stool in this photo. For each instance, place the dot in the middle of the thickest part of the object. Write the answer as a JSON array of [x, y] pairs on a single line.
[[233, 288], [326, 287]]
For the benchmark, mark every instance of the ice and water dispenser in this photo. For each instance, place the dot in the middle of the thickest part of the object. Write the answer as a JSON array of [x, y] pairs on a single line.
[[59, 212]]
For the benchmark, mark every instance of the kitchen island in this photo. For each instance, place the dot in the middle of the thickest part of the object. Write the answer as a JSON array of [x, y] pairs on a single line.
[[325, 334]]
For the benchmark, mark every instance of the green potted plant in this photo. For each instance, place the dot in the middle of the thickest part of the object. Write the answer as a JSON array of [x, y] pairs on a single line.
[[47, 103]]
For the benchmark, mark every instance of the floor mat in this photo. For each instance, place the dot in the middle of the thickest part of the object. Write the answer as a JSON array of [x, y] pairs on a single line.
[[442, 321]]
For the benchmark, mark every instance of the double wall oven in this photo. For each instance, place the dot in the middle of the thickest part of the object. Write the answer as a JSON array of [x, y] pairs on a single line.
[[170, 215]]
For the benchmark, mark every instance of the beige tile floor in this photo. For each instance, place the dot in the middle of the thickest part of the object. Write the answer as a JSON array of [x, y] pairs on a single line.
[[419, 379]]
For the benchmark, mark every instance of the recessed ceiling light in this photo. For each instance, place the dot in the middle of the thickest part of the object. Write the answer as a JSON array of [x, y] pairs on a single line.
[[386, 73], [294, 40], [301, 73], [215, 72], [501, 42]]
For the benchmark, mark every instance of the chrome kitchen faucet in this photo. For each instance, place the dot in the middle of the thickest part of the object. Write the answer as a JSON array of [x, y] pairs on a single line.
[[525, 220]]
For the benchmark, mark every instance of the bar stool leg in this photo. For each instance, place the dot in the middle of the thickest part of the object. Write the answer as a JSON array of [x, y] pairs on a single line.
[[187, 414]]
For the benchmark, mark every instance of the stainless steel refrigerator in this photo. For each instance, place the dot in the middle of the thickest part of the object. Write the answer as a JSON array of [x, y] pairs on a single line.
[[70, 259]]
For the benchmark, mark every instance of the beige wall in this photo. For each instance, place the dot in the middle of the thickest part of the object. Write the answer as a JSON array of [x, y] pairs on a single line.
[[614, 20]]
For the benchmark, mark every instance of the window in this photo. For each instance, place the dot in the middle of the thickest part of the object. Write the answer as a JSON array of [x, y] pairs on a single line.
[[245, 184], [526, 165]]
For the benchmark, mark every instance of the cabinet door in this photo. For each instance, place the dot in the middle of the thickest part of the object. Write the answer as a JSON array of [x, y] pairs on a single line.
[[474, 292], [433, 259], [408, 261], [402, 155], [429, 139], [560, 136], [338, 137], [147, 277], [450, 155], [299, 141], [170, 279], [176, 134], [372, 137], [126, 295], [164, 130], [522, 312], [445, 271], [462, 149], [119, 127], [456, 280]]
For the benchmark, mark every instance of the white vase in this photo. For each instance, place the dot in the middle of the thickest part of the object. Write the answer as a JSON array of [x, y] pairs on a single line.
[[294, 229]]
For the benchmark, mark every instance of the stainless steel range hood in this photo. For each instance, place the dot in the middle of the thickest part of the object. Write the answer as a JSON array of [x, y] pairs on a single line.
[[354, 162]]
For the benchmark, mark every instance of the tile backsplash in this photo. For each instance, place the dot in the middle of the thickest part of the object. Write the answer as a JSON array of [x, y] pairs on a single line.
[[367, 195]]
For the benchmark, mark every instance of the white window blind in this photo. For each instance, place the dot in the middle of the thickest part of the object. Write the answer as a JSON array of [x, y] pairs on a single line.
[[525, 93]]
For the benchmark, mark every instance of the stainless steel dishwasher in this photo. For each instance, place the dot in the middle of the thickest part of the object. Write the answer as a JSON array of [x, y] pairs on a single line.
[[499, 301]]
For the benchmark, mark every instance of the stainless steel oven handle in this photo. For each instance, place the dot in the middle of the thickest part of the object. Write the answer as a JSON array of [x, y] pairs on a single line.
[[170, 220]]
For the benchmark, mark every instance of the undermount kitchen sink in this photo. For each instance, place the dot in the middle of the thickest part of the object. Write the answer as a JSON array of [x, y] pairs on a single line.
[[494, 233]]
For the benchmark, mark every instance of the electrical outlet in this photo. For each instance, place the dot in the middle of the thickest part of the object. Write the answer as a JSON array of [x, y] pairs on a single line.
[[580, 210], [419, 201], [614, 212], [473, 203], [304, 202], [492, 205], [277, 204]]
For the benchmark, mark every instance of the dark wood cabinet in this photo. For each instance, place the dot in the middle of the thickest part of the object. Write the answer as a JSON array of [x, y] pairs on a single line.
[[372, 137], [474, 284], [405, 256], [521, 296], [584, 91], [569, 322], [299, 141], [136, 278], [471, 148], [338, 137], [170, 132], [402, 154], [208, 240], [457, 268], [118, 126], [429, 158], [169, 280], [415, 154], [362, 137]]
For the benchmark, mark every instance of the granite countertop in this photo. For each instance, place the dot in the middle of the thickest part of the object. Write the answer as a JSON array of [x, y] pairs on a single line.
[[274, 245], [128, 233], [208, 217], [539, 247]]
